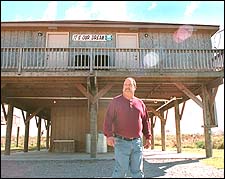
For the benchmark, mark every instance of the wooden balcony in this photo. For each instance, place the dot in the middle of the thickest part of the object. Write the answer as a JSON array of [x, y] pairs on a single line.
[[21, 60]]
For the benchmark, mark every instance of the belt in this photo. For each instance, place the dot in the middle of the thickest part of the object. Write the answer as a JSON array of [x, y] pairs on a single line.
[[124, 138]]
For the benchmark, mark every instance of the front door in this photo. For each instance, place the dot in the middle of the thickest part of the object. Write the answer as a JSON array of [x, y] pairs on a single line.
[[57, 58], [128, 56]]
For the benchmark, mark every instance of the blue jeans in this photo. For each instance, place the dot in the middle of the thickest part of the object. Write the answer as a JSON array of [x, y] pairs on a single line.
[[128, 158]]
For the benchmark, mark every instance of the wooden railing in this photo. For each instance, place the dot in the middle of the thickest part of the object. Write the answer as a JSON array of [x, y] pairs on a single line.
[[64, 59]]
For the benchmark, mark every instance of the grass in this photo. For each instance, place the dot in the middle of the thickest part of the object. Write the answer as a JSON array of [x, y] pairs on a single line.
[[217, 159]]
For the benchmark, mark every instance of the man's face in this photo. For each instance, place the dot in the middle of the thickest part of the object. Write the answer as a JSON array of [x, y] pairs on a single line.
[[128, 86]]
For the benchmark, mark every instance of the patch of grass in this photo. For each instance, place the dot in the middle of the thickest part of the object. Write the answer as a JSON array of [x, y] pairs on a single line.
[[217, 159], [217, 162]]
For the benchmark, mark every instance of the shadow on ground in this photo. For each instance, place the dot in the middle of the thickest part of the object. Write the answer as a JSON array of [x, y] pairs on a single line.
[[158, 167]]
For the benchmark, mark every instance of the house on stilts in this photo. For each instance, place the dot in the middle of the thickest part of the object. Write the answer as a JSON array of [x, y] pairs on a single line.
[[66, 72]]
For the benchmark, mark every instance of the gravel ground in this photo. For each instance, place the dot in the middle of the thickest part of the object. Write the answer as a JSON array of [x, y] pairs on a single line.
[[153, 168]]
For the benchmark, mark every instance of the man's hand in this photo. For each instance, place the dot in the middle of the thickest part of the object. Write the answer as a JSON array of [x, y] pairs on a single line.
[[111, 141], [147, 143]]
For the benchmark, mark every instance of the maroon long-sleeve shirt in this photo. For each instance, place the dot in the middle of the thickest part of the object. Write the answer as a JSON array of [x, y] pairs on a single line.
[[127, 118]]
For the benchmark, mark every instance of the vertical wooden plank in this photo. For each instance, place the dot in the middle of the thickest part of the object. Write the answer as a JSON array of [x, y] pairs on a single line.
[[9, 129], [26, 135], [47, 134], [17, 136], [61, 119], [152, 132], [206, 118], [177, 124], [52, 131], [93, 129], [163, 136], [69, 117], [39, 134], [93, 116]]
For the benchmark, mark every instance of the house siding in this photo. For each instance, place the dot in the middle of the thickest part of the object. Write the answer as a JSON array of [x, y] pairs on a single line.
[[154, 40]]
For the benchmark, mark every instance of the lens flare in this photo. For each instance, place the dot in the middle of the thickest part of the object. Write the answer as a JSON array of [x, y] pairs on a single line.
[[183, 33]]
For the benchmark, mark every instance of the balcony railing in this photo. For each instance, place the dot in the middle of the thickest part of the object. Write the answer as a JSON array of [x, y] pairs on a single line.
[[120, 59]]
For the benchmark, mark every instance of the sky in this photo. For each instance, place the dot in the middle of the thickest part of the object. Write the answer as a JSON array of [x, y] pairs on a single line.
[[180, 12]]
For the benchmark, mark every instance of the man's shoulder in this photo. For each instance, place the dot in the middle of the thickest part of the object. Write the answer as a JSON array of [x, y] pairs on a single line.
[[140, 100], [117, 97]]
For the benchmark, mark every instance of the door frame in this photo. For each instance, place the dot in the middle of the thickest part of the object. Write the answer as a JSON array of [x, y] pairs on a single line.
[[51, 63], [127, 59], [55, 33], [125, 34]]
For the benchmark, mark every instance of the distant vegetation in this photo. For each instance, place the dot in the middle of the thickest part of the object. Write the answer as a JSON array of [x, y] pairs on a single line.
[[192, 141]]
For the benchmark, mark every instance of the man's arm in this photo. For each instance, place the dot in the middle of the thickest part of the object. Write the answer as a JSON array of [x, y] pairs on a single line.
[[146, 128], [108, 121]]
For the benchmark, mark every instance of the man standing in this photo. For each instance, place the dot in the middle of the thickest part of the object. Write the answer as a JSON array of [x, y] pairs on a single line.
[[125, 122]]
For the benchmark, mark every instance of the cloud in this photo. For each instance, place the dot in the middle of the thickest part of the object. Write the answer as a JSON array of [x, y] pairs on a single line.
[[80, 12], [110, 10], [191, 8], [152, 6], [98, 10], [51, 11]]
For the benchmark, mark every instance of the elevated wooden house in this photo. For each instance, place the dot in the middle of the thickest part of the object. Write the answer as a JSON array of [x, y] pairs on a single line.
[[66, 72]]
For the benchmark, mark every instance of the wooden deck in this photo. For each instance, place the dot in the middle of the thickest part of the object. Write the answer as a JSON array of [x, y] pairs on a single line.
[[114, 59], [30, 81]]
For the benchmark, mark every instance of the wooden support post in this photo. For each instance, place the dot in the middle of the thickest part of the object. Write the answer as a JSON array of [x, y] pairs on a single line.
[[47, 134], [93, 129], [51, 147], [9, 129], [92, 87], [152, 132], [17, 136], [163, 136], [39, 134], [206, 118], [26, 136], [177, 124]]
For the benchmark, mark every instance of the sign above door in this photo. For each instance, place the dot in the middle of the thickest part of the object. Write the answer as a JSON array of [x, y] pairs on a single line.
[[91, 37]]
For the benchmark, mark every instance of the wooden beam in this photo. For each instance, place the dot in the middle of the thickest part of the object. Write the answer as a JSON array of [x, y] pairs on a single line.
[[26, 134], [166, 115], [39, 134], [4, 112], [24, 119], [84, 91], [206, 117], [36, 120], [167, 103], [153, 90], [156, 113], [215, 83], [93, 90], [102, 92], [152, 132], [33, 114], [177, 124], [213, 95], [182, 110], [210, 107], [9, 130], [189, 93], [163, 132], [154, 121]]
